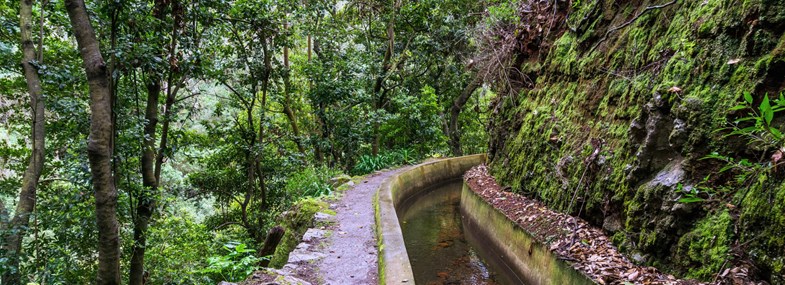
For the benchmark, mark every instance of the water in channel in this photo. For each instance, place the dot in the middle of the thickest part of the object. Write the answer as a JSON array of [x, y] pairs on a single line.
[[439, 252]]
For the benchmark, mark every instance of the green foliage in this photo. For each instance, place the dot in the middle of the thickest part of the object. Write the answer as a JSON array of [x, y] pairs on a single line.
[[238, 262], [504, 12], [756, 128], [760, 134], [62, 240], [227, 137], [177, 249], [310, 182], [415, 122], [370, 163]]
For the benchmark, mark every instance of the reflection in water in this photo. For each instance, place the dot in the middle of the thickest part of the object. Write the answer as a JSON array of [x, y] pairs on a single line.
[[434, 237]]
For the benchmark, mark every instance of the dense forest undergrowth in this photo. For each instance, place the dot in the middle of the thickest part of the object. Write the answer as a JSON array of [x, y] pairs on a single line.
[[158, 142]]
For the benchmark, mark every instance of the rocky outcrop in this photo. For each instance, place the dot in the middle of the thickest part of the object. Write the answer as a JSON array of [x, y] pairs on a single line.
[[299, 264], [623, 107]]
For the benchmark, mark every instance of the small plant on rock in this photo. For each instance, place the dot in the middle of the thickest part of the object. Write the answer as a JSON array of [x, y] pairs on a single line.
[[756, 127], [760, 135]]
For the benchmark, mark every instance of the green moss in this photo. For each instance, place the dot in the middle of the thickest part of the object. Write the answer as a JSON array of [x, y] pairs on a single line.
[[377, 214], [707, 28], [779, 51], [582, 94], [295, 222], [762, 207], [704, 250], [619, 239]]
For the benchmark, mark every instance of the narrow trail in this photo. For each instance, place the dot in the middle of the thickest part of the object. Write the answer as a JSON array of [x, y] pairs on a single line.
[[351, 252]]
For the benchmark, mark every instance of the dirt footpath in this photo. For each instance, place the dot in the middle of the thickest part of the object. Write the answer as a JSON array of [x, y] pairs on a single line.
[[351, 251], [342, 253]]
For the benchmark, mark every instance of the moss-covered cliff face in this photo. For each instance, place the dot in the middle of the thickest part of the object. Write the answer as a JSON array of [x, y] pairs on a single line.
[[618, 119]]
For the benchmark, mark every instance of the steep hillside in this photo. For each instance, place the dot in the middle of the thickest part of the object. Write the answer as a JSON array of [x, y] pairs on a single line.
[[617, 105]]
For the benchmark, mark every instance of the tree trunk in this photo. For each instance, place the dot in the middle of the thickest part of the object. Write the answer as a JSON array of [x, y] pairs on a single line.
[[251, 165], [99, 148], [321, 125], [159, 160], [146, 199], [274, 237], [455, 112], [287, 102], [3, 217], [379, 84], [24, 208]]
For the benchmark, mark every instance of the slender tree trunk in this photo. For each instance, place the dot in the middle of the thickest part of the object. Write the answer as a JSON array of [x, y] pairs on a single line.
[[99, 148], [386, 67], [318, 154], [164, 144], [377, 89], [24, 208], [146, 199], [257, 149], [287, 102], [3, 218], [310, 47], [287, 109], [171, 90], [455, 112], [251, 164], [317, 148]]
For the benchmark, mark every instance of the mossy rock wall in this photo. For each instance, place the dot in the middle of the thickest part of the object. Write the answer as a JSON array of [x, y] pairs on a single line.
[[295, 223], [649, 96]]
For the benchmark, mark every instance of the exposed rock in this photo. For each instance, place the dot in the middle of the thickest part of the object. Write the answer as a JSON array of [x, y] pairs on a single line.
[[612, 223], [638, 258], [669, 176], [688, 115], [339, 180], [313, 235], [654, 150], [303, 252], [322, 217], [269, 276]]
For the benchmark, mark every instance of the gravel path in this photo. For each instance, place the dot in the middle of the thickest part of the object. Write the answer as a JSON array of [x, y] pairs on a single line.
[[351, 248]]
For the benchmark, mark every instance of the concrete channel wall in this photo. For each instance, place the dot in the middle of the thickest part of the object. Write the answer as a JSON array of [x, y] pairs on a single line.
[[394, 266], [532, 262]]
